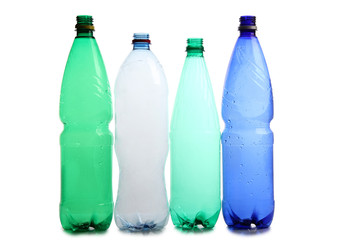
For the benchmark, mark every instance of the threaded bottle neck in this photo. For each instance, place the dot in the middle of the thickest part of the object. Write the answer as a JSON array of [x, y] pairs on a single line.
[[141, 41], [195, 47], [84, 26], [247, 26]]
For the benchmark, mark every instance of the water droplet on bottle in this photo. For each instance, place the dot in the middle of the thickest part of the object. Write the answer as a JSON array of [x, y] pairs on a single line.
[[225, 141], [233, 101], [241, 165]]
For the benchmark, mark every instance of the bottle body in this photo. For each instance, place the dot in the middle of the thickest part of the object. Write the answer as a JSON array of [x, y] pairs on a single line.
[[195, 149], [247, 140], [86, 142], [141, 142]]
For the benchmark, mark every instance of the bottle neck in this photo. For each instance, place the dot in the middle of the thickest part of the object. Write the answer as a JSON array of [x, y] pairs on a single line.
[[141, 46], [247, 26], [247, 33], [195, 47], [195, 53], [84, 33]]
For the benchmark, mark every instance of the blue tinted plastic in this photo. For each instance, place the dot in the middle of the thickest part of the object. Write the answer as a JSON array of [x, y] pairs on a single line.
[[247, 140], [247, 20]]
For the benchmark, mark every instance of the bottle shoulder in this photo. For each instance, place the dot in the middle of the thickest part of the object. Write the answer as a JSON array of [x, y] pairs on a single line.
[[85, 92], [141, 57], [141, 67], [247, 90], [195, 106]]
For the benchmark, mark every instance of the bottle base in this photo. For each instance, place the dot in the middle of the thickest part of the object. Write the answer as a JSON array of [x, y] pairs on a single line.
[[201, 220], [249, 224], [139, 224], [83, 222], [254, 222], [87, 226]]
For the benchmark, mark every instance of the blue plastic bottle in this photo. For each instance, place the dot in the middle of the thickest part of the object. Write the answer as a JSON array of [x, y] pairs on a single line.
[[247, 140]]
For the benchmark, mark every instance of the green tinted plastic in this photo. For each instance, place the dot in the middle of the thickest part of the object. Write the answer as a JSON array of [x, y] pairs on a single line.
[[86, 142], [195, 146]]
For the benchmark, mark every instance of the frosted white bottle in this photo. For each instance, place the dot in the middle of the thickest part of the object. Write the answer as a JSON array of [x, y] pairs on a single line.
[[141, 140]]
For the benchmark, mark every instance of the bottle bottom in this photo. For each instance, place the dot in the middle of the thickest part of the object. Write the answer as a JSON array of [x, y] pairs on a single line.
[[256, 220], [96, 218], [200, 220], [139, 223]]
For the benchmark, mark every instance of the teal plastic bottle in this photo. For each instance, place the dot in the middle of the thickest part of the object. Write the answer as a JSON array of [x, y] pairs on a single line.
[[195, 146], [86, 142]]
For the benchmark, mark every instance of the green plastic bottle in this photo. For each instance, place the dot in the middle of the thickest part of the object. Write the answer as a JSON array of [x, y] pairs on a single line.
[[86, 142], [195, 146]]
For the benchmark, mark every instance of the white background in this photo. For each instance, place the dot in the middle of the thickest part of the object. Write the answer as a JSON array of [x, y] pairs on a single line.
[[302, 42]]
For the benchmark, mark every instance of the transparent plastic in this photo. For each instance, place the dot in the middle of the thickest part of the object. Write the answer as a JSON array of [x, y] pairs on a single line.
[[247, 140], [86, 142], [141, 140], [195, 146]]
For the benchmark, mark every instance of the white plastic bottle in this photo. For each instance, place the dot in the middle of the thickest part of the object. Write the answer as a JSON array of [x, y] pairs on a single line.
[[141, 140]]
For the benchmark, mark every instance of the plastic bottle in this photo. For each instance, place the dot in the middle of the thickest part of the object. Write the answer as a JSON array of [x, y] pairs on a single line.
[[247, 110], [195, 146], [141, 139], [86, 142]]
